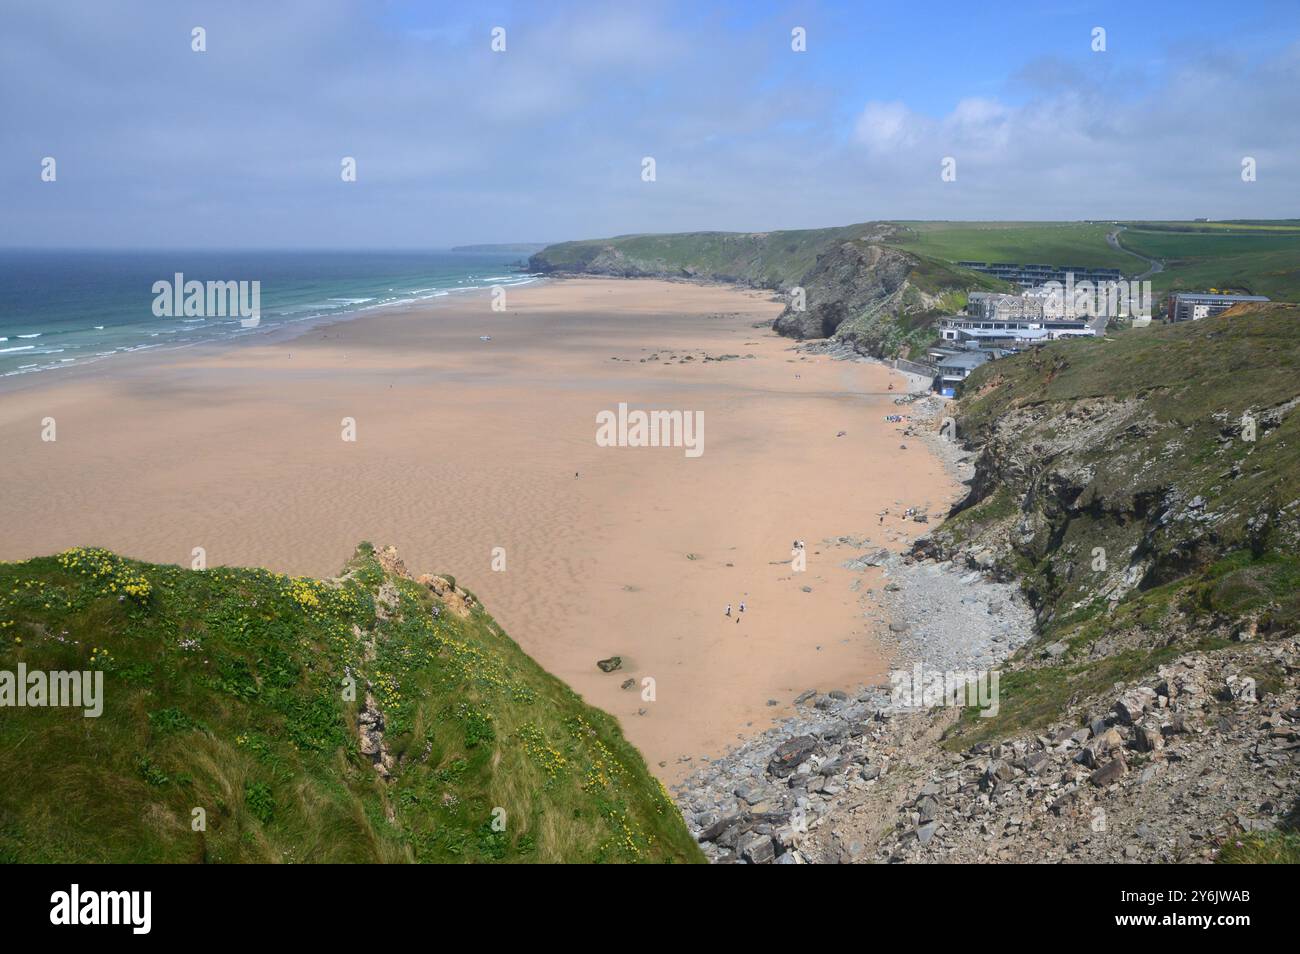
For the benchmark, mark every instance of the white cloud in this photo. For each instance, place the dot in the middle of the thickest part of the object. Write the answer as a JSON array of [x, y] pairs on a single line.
[[1089, 146], [888, 126], [456, 144]]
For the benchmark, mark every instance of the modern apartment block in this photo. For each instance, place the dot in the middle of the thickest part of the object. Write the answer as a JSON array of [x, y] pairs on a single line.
[[1012, 334], [1191, 307], [1031, 275]]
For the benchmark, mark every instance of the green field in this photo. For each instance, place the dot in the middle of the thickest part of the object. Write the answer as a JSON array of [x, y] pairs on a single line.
[[1257, 257], [1251, 258], [1238, 226], [1254, 257], [1053, 243], [225, 693]]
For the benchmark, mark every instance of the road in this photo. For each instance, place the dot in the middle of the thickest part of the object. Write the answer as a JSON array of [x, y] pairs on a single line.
[[1155, 265]]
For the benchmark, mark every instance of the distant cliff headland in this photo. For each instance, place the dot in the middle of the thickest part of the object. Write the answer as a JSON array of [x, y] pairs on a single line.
[[879, 286], [858, 289], [1141, 489]]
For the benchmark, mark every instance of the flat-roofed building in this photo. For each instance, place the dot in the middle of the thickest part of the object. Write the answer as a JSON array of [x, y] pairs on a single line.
[[957, 368], [1030, 275], [1192, 306], [957, 330]]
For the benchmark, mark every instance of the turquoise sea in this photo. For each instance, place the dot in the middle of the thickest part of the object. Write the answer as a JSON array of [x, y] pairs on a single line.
[[59, 309]]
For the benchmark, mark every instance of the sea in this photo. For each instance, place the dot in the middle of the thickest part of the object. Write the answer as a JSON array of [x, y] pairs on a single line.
[[60, 309]]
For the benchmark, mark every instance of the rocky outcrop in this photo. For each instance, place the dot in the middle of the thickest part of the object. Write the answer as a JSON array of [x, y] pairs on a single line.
[[370, 737], [1103, 499], [1141, 492], [776, 260], [1171, 769], [874, 298], [461, 602], [370, 717], [854, 281], [856, 285], [1187, 777]]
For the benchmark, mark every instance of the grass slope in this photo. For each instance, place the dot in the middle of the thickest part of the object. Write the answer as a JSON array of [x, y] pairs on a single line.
[[224, 692], [1260, 257], [1052, 243], [768, 259], [1252, 258], [1218, 516]]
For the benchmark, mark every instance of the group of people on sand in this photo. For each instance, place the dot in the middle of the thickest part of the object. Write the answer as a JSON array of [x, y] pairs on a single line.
[[741, 612]]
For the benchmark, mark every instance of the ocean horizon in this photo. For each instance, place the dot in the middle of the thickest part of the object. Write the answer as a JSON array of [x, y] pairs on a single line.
[[61, 308]]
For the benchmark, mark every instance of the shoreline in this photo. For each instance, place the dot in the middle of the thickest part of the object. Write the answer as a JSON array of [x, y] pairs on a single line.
[[277, 334], [914, 609], [468, 444]]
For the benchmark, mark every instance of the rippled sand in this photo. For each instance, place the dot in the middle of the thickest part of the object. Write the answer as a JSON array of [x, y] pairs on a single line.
[[464, 445]]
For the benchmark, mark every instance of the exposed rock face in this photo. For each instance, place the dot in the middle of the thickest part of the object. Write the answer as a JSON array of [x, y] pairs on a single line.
[[852, 281], [1098, 493], [1190, 775], [1157, 546], [858, 287], [866, 296], [790, 754], [775, 260], [391, 562], [370, 730], [460, 601], [614, 262], [370, 718]]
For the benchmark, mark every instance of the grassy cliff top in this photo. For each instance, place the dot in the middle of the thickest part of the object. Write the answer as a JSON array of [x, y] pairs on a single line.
[[1056, 243], [1174, 453], [228, 691], [1246, 358], [1255, 256], [769, 259], [1162, 411]]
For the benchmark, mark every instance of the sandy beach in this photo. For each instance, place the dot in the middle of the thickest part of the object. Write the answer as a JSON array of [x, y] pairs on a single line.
[[465, 445]]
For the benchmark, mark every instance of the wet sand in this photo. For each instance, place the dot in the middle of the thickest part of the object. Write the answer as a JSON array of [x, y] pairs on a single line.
[[464, 445]]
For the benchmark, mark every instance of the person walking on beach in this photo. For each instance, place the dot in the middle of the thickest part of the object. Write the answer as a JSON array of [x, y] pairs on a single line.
[[728, 611]]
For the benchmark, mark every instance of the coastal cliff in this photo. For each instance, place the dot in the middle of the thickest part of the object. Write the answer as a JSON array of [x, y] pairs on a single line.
[[775, 260], [252, 717], [1143, 493], [879, 301], [856, 288], [1110, 470]]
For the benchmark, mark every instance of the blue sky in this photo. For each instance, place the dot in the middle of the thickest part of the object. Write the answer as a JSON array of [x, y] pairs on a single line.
[[241, 145]]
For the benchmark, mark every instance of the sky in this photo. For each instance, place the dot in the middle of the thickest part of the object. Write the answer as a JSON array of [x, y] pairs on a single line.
[[242, 145]]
